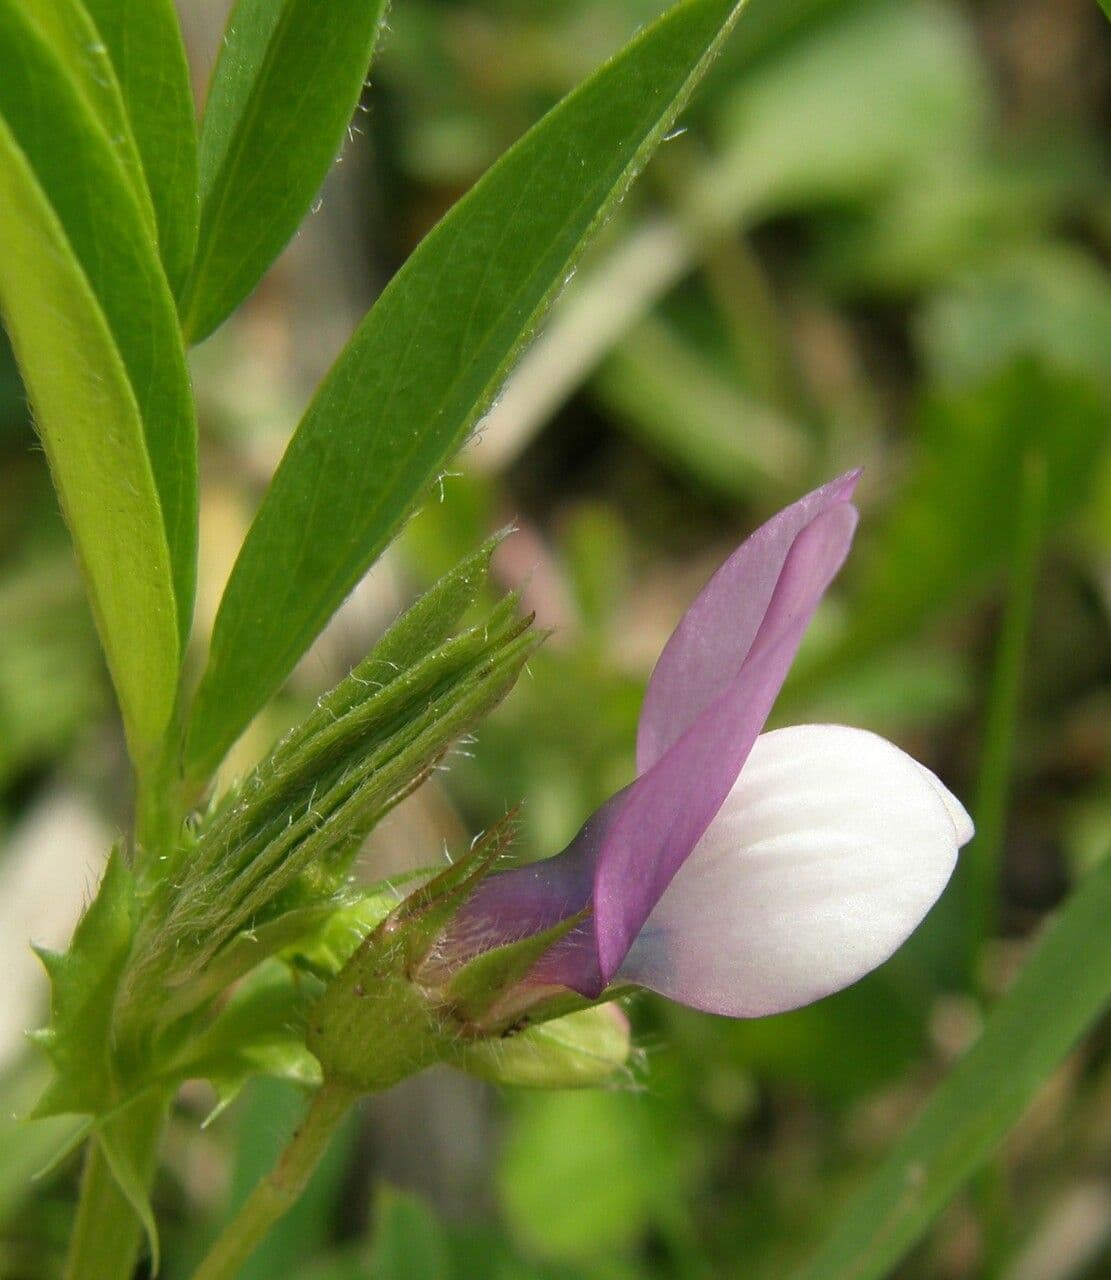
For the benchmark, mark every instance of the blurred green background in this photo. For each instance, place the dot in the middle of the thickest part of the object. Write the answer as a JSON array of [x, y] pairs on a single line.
[[880, 238]]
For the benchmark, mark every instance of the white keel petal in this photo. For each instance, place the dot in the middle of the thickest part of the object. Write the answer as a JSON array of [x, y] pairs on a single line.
[[825, 857]]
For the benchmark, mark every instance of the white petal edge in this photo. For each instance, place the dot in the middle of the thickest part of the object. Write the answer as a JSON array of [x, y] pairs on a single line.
[[958, 814], [828, 852]]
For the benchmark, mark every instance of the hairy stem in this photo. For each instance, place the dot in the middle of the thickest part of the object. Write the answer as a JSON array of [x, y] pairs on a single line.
[[281, 1188]]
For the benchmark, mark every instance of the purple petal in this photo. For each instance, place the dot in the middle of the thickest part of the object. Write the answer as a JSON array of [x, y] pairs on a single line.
[[669, 807], [717, 632]]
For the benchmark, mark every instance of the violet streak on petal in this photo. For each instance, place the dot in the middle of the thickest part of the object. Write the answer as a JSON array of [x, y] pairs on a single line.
[[670, 806], [717, 632], [826, 855], [515, 904]]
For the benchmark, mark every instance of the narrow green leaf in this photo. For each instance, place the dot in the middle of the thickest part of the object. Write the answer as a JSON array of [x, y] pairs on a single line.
[[284, 89], [850, 104], [93, 436], [80, 170], [67, 28], [1062, 990], [429, 359], [143, 39]]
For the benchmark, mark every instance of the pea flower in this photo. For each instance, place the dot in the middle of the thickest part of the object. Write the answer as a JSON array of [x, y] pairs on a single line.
[[741, 873]]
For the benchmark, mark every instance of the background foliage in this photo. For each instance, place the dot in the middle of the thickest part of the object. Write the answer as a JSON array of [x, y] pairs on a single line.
[[881, 238]]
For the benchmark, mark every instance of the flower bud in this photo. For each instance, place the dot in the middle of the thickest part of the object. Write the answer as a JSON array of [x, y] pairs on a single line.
[[583, 1049]]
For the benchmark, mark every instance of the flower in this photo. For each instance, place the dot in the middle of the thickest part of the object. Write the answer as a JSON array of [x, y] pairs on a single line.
[[740, 873]]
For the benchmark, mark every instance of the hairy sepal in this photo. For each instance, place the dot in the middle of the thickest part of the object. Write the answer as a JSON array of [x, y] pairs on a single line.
[[376, 1022], [84, 983]]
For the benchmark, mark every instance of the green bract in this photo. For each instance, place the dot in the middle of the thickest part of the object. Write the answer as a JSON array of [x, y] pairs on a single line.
[[83, 985], [283, 840], [258, 892]]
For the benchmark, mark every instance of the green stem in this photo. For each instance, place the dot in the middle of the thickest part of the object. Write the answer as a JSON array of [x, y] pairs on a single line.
[[106, 1232], [158, 802], [984, 857], [160, 795], [281, 1188]]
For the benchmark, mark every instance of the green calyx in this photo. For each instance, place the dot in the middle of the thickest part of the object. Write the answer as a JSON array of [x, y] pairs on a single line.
[[377, 1021], [405, 1000]]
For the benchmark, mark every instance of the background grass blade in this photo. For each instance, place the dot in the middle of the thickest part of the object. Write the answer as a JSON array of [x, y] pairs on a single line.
[[982, 862], [143, 38], [284, 88], [1062, 990], [93, 436], [954, 524], [428, 360], [78, 169]]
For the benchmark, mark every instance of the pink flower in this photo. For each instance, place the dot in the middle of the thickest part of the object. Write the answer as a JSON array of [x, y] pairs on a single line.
[[741, 873]]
